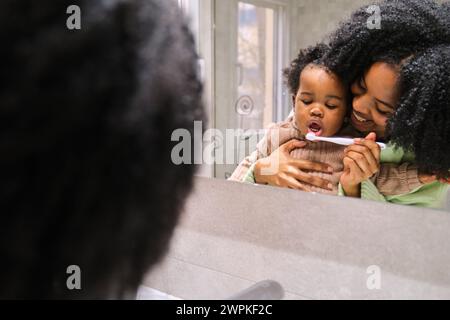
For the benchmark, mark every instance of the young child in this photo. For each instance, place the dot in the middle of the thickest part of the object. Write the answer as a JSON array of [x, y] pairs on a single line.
[[321, 105]]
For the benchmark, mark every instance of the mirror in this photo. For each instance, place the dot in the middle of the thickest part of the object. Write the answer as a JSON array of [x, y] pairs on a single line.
[[243, 48]]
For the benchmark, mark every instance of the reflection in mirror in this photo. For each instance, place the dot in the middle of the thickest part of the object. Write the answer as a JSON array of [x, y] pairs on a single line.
[[255, 66], [244, 47]]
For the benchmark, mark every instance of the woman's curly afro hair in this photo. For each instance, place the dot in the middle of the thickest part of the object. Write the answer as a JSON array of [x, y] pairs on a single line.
[[86, 119], [422, 119], [407, 26], [415, 36]]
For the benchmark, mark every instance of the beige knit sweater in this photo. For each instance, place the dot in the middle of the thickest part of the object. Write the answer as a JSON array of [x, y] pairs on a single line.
[[392, 179]]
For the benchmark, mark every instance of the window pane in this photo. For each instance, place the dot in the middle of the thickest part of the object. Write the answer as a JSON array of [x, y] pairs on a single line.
[[255, 83]]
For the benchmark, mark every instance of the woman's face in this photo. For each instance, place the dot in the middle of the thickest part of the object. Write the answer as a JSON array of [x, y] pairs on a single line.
[[376, 96]]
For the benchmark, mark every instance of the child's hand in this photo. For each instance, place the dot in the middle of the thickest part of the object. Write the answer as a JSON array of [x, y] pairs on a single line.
[[361, 162]]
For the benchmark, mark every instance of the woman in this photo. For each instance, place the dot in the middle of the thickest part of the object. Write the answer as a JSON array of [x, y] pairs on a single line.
[[379, 63]]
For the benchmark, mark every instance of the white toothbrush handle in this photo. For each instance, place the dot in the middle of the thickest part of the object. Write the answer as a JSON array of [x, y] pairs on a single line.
[[348, 142], [382, 145], [341, 141]]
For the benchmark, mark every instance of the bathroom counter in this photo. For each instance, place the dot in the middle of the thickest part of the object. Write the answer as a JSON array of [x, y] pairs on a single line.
[[233, 235]]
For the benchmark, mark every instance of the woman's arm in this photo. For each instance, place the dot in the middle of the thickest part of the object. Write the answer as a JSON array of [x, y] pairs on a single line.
[[281, 170], [419, 190], [361, 162], [431, 195]]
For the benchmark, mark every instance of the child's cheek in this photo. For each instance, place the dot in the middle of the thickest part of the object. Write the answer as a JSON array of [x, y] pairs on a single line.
[[334, 124], [300, 118]]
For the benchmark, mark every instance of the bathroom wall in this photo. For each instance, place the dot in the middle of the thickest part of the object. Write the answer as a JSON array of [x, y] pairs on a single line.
[[316, 19]]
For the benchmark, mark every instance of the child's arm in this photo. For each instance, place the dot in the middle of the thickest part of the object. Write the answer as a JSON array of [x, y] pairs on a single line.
[[263, 149], [242, 169], [240, 174], [403, 184], [397, 179]]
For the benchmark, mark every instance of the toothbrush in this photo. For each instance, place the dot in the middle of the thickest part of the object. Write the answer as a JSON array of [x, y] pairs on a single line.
[[341, 141]]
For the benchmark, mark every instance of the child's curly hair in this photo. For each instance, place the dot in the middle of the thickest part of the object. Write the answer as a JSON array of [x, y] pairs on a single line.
[[310, 55], [415, 36]]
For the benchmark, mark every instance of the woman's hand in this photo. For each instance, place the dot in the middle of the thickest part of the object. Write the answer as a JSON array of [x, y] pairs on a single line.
[[361, 162], [281, 170]]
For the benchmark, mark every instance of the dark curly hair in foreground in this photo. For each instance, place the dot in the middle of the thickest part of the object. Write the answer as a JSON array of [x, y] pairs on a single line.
[[86, 176], [413, 35], [445, 13]]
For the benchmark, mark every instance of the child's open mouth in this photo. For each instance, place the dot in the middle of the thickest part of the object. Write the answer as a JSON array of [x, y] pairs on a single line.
[[315, 127]]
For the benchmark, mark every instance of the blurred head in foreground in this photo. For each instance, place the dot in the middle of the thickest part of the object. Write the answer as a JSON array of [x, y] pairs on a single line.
[[86, 176]]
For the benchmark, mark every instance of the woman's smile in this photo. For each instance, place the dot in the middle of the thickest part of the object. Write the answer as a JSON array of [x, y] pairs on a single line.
[[360, 123], [359, 118]]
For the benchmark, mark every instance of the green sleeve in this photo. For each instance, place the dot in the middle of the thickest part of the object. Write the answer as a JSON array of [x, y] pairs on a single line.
[[368, 191], [250, 176], [341, 192], [432, 195]]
